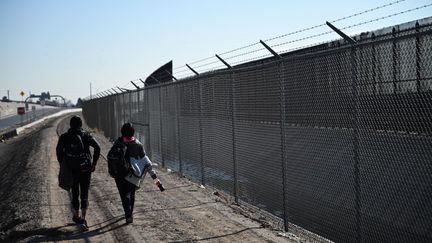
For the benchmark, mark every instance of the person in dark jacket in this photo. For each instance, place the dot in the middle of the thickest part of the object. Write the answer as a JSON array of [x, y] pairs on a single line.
[[73, 147], [125, 186]]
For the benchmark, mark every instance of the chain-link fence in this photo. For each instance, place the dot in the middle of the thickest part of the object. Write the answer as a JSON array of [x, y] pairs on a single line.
[[336, 139]]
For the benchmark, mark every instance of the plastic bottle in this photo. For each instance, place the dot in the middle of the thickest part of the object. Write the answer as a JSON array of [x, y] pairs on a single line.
[[159, 185]]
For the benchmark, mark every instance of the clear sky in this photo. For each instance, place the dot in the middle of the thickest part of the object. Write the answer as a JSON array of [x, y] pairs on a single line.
[[61, 46]]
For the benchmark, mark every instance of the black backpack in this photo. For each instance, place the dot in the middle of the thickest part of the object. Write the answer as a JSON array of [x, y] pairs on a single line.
[[76, 155], [118, 165]]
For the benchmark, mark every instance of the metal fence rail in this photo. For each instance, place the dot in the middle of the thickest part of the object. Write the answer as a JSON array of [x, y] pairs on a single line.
[[336, 139]]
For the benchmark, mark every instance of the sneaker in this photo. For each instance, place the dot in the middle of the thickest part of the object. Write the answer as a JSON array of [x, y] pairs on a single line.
[[84, 225], [77, 220], [129, 220]]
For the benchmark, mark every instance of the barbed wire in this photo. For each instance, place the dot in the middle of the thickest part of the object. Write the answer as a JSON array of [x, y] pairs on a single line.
[[184, 69], [240, 48], [211, 69], [304, 38], [176, 68], [352, 26], [203, 65], [307, 46], [204, 59], [300, 31], [252, 59], [183, 76], [337, 20], [388, 16], [244, 54], [325, 33]]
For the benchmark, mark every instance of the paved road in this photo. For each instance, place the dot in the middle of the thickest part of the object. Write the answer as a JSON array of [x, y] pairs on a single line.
[[28, 117]]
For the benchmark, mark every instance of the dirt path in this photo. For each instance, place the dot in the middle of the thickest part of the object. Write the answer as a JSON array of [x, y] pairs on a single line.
[[185, 212]]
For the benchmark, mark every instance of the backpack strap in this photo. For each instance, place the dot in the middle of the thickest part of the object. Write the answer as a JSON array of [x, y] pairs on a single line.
[[81, 142], [120, 144]]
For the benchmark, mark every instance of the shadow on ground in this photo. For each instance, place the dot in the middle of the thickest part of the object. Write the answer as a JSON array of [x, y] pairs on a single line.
[[67, 232], [217, 236]]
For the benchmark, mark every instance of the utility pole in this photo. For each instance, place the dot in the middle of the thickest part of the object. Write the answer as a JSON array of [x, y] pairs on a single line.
[[8, 94], [90, 91]]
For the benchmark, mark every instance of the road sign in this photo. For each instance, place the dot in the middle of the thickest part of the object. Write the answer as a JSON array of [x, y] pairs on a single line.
[[21, 110], [22, 93]]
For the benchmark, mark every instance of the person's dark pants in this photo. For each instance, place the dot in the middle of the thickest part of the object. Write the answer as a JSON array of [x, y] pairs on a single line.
[[127, 195], [80, 188]]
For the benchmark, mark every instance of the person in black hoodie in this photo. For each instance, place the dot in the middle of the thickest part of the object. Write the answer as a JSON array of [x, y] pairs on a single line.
[[125, 185], [73, 147]]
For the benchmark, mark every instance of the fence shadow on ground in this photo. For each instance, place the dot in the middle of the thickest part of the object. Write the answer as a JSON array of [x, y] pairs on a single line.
[[69, 231], [217, 236], [140, 210]]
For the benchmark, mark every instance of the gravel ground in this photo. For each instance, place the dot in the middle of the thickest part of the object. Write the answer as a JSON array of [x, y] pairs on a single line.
[[34, 209]]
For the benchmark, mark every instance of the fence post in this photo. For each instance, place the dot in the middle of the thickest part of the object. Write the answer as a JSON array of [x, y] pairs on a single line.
[[282, 131], [138, 110], [355, 144], [148, 135], [201, 132], [123, 107], [283, 150], [395, 60], [130, 106], [233, 115], [418, 54], [177, 105], [374, 78], [138, 104], [160, 128], [108, 123], [235, 169], [355, 128], [120, 113], [114, 116]]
